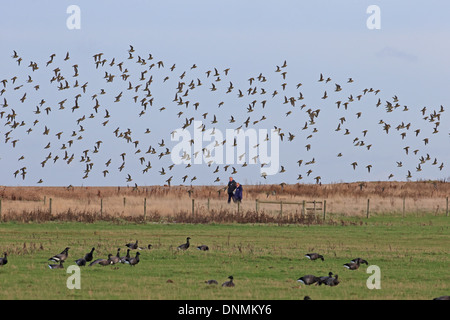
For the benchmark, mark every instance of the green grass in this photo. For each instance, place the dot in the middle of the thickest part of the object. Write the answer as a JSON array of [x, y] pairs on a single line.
[[265, 260]]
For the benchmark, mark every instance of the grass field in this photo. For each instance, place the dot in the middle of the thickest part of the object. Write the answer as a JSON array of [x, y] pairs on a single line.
[[265, 259]]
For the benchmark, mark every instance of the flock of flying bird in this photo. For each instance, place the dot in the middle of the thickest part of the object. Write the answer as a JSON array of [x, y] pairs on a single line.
[[79, 107]]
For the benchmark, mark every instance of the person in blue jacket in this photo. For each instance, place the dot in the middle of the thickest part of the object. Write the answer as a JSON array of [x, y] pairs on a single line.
[[237, 197], [231, 188]]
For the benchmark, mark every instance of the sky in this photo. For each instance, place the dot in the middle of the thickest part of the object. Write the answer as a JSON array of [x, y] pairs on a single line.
[[405, 57]]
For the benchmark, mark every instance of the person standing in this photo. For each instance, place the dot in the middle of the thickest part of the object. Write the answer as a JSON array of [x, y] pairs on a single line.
[[237, 193], [231, 188]]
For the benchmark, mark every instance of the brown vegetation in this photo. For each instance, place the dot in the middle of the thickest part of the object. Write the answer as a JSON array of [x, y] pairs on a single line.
[[163, 203]]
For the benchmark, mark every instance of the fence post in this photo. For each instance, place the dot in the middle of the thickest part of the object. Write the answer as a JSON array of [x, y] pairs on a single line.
[[45, 200], [256, 202], [368, 205], [324, 208], [145, 208], [304, 207], [101, 207], [238, 204], [314, 202], [0, 210], [192, 207], [208, 204], [50, 205], [124, 201]]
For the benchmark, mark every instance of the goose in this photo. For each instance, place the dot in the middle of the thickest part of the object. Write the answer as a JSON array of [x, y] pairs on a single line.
[[133, 261], [331, 281], [203, 247], [211, 281], [60, 256], [314, 256], [81, 262], [352, 265], [125, 258], [132, 245], [149, 247], [89, 256], [324, 279], [116, 259], [229, 283], [4, 260], [184, 246], [360, 261], [308, 279], [442, 298], [102, 262], [56, 266]]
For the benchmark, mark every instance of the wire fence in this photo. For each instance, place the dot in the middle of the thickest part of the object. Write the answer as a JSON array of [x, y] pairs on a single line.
[[144, 207]]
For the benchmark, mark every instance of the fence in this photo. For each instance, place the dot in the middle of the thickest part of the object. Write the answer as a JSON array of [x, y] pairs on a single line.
[[368, 210], [317, 205], [306, 206]]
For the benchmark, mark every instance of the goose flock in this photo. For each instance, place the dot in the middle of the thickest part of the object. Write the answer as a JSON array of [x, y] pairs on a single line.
[[331, 279], [59, 259], [112, 116], [62, 257]]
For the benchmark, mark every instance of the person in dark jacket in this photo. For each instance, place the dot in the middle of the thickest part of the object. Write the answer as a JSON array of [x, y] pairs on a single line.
[[231, 188], [237, 193]]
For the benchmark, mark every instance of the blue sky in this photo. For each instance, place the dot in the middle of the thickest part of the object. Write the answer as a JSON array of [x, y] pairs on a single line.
[[407, 58]]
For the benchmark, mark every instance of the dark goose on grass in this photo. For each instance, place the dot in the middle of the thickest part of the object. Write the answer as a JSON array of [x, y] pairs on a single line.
[[325, 278], [56, 266], [314, 256], [133, 261], [102, 262], [360, 261], [60, 256], [126, 258], [308, 279], [81, 262], [149, 247], [203, 247], [184, 246], [89, 256], [132, 246], [442, 298], [332, 281], [228, 283], [352, 265], [116, 258], [4, 260]]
